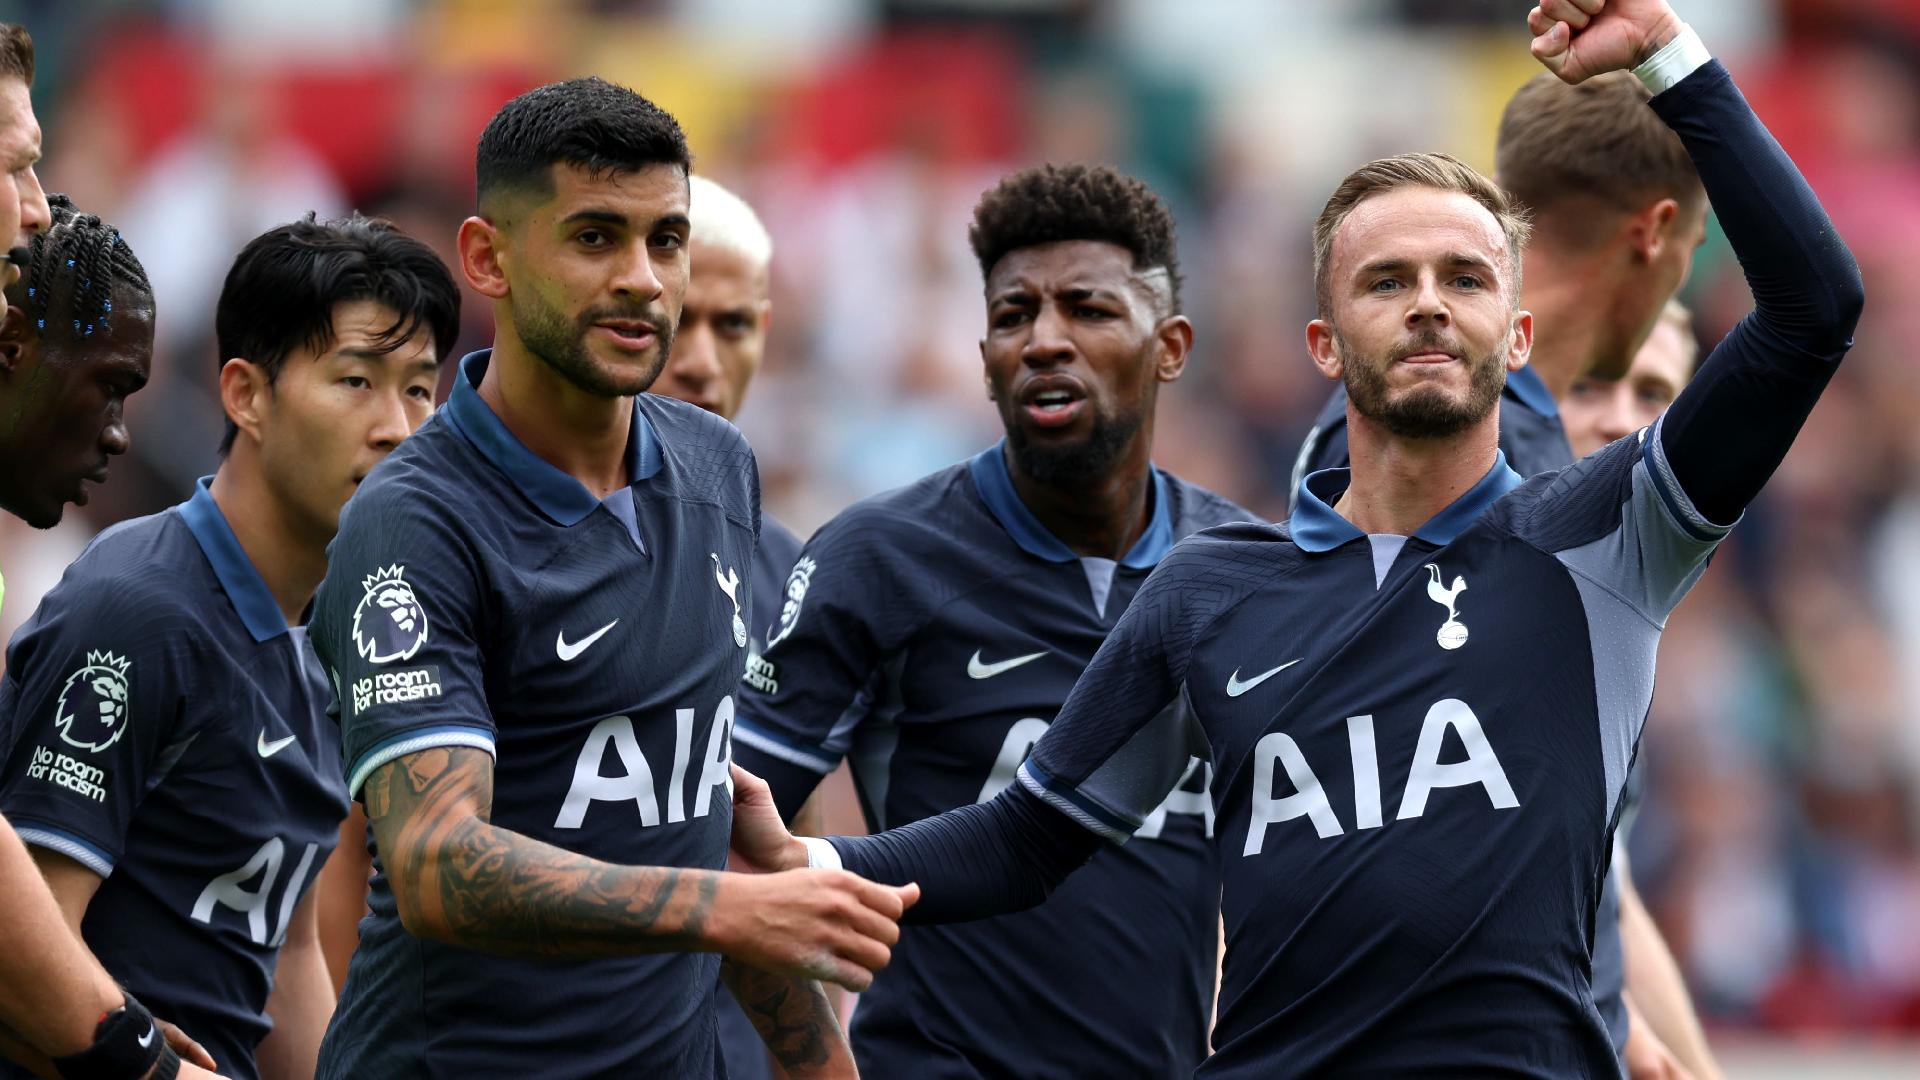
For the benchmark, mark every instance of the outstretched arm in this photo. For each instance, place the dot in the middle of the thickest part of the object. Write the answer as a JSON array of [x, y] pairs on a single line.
[[1730, 429], [458, 878]]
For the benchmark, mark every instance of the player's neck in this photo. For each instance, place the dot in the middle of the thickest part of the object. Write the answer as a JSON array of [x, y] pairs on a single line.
[[581, 434], [1399, 484], [287, 553], [1101, 518], [1573, 303]]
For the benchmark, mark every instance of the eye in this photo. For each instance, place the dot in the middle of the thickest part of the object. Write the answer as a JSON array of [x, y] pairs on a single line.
[[1087, 312], [1465, 281], [734, 325], [1384, 285], [669, 241], [421, 393], [1584, 388], [357, 382], [593, 238], [1006, 320]]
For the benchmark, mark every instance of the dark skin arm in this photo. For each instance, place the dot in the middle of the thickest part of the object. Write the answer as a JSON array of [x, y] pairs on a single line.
[[460, 879]]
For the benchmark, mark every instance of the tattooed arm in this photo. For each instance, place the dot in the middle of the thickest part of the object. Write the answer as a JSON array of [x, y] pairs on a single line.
[[458, 878], [794, 1018]]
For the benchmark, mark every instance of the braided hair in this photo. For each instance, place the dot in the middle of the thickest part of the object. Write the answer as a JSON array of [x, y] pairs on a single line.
[[72, 271]]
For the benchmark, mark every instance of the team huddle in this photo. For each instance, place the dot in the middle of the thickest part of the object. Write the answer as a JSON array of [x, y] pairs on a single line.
[[517, 698]]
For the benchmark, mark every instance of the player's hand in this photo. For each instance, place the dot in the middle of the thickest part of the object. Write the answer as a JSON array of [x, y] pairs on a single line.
[[829, 925], [191, 1053], [1578, 39], [1647, 1058], [761, 843]]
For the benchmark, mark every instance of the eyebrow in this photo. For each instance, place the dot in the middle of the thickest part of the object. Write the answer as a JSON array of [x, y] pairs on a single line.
[[1023, 294], [430, 363], [614, 217], [1451, 258]]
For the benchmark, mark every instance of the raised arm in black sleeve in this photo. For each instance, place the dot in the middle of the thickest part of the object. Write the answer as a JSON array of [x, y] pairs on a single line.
[[1732, 426]]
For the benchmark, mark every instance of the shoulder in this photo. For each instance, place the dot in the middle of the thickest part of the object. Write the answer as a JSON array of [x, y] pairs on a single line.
[[683, 427], [1228, 558], [1196, 508], [933, 510], [149, 566], [424, 482], [1567, 507]]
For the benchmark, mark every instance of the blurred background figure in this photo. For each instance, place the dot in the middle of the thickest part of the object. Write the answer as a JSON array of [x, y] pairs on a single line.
[[861, 131]]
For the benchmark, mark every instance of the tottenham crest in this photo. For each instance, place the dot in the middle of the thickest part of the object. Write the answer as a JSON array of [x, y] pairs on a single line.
[[92, 711], [389, 624], [729, 583], [1453, 632]]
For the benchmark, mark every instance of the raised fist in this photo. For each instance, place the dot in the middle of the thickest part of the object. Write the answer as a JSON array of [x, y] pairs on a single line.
[[1578, 39]]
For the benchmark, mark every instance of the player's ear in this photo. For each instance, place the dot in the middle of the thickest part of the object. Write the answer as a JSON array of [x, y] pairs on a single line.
[[985, 375], [243, 394], [1324, 349], [1520, 341], [481, 248], [1174, 337], [1652, 229], [14, 341]]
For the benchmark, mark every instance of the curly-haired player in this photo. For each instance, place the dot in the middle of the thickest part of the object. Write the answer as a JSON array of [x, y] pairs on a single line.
[[931, 633]]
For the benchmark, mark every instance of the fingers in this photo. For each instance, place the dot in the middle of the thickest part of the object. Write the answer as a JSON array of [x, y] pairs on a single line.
[[888, 900], [1567, 11], [909, 894], [748, 787], [184, 1045], [1538, 23]]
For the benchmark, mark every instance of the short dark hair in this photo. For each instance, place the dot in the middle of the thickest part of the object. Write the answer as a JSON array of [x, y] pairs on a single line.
[[590, 123], [284, 286], [73, 267], [1051, 203], [1561, 144], [16, 52]]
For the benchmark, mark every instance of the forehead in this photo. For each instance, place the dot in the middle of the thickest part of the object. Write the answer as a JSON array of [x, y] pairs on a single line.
[[361, 324], [1417, 223], [722, 269], [1664, 356], [642, 196], [1063, 266], [18, 127]]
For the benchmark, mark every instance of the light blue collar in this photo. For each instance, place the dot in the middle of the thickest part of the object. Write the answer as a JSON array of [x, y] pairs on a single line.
[[558, 496], [990, 476], [1316, 527], [238, 577]]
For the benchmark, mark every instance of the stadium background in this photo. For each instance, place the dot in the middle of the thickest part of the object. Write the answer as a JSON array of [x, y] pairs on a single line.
[[1780, 845]]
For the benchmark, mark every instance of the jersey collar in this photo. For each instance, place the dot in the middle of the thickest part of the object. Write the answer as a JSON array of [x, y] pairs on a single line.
[[1526, 387], [1316, 527], [238, 577], [995, 484], [559, 496]]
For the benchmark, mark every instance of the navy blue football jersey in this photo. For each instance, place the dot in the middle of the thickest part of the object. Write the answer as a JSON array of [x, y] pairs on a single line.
[[166, 729], [1534, 442], [479, 597], [1531, 434], [1414, 837], [930, 635], [740, 1044]]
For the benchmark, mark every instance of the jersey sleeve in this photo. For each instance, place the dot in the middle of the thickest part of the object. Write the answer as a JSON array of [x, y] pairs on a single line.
[[807, 693], [1126, 731], [94, 708], [1118, 746], [398, 623]]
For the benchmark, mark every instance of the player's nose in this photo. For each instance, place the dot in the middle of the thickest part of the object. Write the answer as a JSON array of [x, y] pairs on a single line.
[[1427, 304], [695, 360], [115, 438], [636, 276], [1619, 419], [1050, 341], [35, 215], [391, 424]]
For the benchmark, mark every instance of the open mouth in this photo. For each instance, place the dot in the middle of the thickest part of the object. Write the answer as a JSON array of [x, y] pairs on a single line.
[[1053, 402], [632, 335]]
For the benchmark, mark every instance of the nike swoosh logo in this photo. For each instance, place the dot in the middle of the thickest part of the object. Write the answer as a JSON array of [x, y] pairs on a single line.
[[568, 652], [987, 671], [268, 749], [147, 1039], [1235, 687]]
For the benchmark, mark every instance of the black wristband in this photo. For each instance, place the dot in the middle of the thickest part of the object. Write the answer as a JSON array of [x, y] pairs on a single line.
[[126, 1044]]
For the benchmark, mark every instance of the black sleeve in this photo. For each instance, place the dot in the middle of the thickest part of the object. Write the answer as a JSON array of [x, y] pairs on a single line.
[[976, 861], [1732, 426]]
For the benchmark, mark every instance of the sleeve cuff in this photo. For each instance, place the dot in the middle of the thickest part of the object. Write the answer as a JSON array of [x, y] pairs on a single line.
[[412, 742], [73, 847], [821, 854], [1676, 60]]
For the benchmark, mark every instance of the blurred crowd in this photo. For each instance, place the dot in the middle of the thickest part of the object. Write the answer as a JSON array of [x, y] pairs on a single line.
[[1779, 846]]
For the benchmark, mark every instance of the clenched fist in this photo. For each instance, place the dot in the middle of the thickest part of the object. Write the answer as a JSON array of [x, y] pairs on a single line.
[[1578, 39]]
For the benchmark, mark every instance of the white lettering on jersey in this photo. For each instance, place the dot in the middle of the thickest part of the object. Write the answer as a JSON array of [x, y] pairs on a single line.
[[1309, 799], [589, 786], [1481, 767], [636, 783], [229, 890], [1025, 733]]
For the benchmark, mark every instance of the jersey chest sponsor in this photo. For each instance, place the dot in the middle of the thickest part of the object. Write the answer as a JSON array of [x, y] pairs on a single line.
[[667, 787]]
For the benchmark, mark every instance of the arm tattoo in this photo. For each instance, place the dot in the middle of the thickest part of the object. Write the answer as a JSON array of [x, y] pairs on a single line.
[[793, 1016], [465, 881]]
